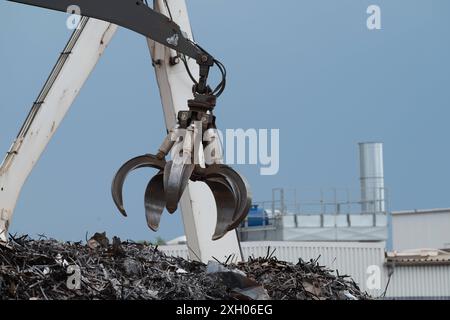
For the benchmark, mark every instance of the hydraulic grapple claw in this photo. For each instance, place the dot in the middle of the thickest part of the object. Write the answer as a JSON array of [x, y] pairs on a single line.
[[230, 190]]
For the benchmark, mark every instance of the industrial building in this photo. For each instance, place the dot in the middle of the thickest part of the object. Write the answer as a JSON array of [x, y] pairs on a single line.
[[392, 255], [328, 215], [421, 229]]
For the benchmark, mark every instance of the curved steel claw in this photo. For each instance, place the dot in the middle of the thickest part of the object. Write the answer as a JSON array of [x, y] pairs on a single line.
[[230, 190], [154, 201], [233, 197], [225, 204], [147, 160], [176, 177]]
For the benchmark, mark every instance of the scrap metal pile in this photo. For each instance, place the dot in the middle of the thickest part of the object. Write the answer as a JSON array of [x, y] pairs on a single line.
[[48, 269]]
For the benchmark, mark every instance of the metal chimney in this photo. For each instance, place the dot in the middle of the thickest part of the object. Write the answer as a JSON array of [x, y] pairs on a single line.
[[372, 177]]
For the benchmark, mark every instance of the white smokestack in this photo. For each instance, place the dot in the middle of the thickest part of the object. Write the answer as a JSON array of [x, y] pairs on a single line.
[[372, 177]]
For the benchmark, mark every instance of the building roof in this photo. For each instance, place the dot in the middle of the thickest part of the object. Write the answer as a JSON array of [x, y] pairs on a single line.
[[418, 257], [422, 211], [178, 240]]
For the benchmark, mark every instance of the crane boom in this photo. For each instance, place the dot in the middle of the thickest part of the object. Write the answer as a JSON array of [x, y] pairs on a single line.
[[73, 67], [70, 72]]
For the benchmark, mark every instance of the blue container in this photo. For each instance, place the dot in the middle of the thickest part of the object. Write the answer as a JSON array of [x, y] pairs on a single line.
[[257, 217]]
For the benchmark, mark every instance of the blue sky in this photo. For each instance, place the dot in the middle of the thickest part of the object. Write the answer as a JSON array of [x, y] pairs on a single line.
[[310, 68]]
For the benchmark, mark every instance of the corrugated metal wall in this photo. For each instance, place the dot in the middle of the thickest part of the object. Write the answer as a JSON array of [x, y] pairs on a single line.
[[431, 281], [175, 250]]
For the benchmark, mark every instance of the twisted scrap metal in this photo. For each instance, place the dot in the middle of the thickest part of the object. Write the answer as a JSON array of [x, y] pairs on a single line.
[[37, 269]]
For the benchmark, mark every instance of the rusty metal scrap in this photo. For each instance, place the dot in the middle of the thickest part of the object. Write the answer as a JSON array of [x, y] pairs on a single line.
[[46, 269]]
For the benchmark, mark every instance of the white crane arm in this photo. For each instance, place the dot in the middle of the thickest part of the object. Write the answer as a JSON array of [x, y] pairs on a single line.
[[197, 203], [72, 69]]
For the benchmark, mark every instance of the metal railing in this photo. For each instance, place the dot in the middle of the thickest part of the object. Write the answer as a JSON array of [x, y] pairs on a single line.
[[332, 201], [297, 205]]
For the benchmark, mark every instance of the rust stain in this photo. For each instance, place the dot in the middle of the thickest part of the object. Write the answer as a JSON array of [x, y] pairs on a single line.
[[102, 41]]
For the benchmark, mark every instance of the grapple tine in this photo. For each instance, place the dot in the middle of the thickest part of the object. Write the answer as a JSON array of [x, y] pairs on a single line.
[[225, 203], [240, 188], [245, 199], [176, 178], [154, 201], [166, 173], [133, 164]]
